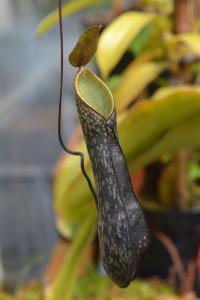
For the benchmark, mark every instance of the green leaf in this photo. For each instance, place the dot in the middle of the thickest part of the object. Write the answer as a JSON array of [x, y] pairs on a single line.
[[113, 81], [116, 38], [68, 9], [64, 283], [133, 81], [142, 41], [85, 47]]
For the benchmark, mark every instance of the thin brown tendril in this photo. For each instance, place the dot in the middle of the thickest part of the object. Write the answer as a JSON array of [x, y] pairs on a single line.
[[60, 108]]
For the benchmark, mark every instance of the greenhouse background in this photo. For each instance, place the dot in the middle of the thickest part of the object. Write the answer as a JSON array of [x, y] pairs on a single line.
[[154, 75]]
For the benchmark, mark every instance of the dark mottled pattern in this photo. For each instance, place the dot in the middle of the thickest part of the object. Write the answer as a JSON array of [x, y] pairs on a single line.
[[122, 230]]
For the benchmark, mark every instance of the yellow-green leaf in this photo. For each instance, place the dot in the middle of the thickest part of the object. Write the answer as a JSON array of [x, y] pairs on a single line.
[[63, 285], [192, 41], [165, 92], [133, 81], [165, 7], [68, 9], [183, 136], [116, 38], [149, 120], [140, 130], [4, 296], [71, 213]]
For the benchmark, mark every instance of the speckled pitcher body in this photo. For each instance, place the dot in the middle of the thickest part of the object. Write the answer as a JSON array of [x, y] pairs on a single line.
[[122, 229]]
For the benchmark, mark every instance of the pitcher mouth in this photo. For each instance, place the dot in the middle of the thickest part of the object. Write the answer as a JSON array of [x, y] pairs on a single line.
[[94, 93]]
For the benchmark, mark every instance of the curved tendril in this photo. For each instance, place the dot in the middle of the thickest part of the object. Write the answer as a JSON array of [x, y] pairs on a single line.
[[77, 153]]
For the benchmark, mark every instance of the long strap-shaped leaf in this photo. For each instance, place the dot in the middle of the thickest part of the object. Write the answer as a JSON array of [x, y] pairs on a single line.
[[116, 38], [63, 286], [68, 9]]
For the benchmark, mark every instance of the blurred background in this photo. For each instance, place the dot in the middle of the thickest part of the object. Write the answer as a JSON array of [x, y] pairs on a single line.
[[29, 93], [44, 200], [29, 86]]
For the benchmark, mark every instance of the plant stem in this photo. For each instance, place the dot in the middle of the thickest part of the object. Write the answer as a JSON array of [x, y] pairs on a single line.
[[184, 20], [173, 252], [184, 15], [181, 193], [117, 6]]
